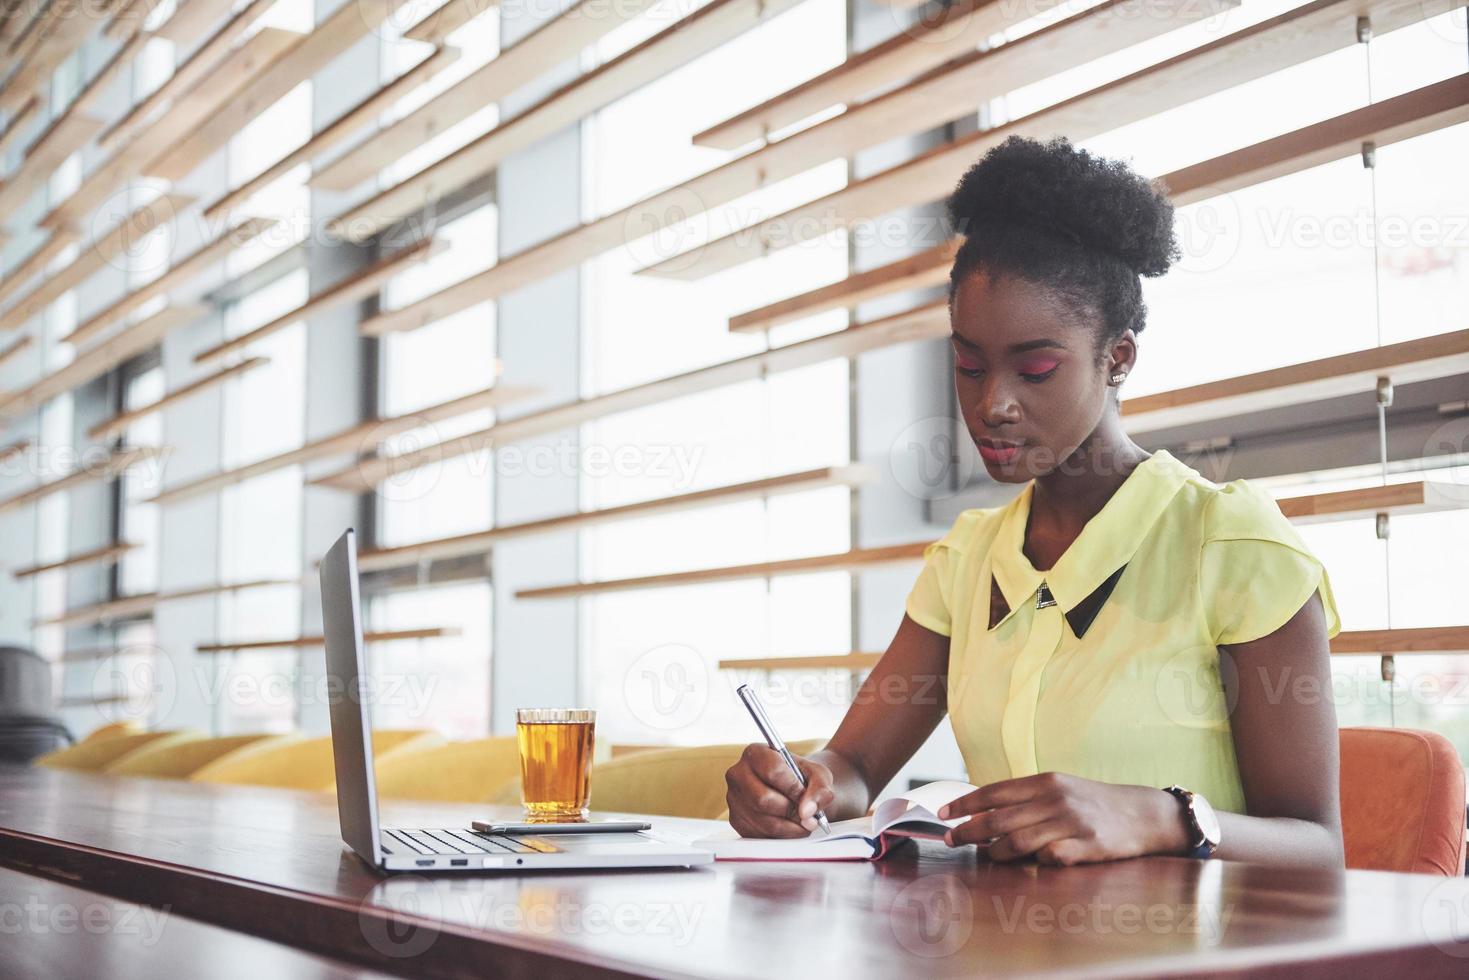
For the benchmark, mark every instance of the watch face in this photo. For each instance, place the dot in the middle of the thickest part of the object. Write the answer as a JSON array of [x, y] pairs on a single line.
[[1207, 819]]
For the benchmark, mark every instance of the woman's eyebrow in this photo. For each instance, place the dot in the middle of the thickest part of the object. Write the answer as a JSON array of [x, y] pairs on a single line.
[[963, 340], [1035, 345]]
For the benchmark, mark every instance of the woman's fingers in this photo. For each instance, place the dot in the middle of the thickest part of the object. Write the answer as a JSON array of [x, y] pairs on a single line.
[[769, 798], [1005, 820], [1006, 792], [1028, 840]]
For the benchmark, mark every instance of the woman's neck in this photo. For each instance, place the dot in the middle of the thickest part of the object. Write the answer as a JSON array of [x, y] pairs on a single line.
[[1064, 499]]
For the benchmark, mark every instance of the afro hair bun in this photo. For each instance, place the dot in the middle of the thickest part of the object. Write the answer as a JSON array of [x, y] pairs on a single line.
[[1057, 189]]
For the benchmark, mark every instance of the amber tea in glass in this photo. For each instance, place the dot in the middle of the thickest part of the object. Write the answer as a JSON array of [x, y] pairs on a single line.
[[555, 761]]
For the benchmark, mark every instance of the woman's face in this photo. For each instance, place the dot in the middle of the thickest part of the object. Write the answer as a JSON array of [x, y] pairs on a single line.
[[1031, 383]]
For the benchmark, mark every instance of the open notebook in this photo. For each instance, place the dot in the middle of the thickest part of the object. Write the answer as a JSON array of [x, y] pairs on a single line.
[[914, 814]]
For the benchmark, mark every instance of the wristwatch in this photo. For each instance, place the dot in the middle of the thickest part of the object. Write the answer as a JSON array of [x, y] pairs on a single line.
[[1202, 820]]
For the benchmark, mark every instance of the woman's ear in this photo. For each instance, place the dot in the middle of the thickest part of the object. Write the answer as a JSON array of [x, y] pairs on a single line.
[[1122, 357]]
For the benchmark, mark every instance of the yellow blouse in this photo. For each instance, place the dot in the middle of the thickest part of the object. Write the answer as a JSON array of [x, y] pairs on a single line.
[[1138, 697]]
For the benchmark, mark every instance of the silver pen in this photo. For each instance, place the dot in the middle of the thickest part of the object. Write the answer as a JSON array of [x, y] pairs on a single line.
[[762, 722]]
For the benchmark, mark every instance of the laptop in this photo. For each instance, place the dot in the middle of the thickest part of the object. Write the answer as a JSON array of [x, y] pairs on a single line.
[[441, 848]]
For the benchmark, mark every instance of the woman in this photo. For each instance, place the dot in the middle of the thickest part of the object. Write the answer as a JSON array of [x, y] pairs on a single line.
[[1134, 659]]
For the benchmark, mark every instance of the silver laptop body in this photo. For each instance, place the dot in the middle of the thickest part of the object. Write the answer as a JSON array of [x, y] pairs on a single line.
[[439, 849]]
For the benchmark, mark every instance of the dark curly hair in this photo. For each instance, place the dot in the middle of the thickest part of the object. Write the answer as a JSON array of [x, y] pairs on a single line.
[[1057, 216]]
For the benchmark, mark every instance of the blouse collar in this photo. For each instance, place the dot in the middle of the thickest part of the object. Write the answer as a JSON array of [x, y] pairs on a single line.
[[1106, 543]]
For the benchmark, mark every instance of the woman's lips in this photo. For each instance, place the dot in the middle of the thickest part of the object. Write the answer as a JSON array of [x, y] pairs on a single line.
[[997, 453]]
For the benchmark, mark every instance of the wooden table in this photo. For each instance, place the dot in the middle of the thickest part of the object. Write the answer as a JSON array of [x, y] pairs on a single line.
[[270, 864]]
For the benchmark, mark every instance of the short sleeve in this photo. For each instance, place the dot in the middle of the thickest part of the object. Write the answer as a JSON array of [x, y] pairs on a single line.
[[1255, 570], [928, 602]]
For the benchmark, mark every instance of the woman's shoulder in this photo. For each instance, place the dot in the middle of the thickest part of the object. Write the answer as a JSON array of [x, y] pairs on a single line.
[[1235, 509], [972, 530]]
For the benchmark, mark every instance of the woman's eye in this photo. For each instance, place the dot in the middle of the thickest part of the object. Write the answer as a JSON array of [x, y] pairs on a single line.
[[1038, 371], [966, 365]]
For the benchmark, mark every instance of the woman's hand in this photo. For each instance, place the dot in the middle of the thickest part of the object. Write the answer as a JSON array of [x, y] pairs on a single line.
[[1064, 819], [765, 798]]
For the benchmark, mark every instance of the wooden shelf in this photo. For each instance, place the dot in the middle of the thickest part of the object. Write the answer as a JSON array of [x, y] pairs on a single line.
[[963, 85], [944, 34], [1290, 38], [114, 465], [89, 260], [681, 42], [192, 19], [358, 286], [454, 14], [129, 607], [356, 439], [19, 125], [16, 348], [49, 152], [56, 34], [1437, 356], [856, 560], [829, 661], [1428, 639], [338, 131], [87, 701], [14, 449], [176, 275], [334, 35], [553, 43], [1417, 497], [186, 113], [97, 360], [302, 642], [930, 320], [469, 544], [97, 556], [924, 269], [116, 425], [36, 262], [187, 76]]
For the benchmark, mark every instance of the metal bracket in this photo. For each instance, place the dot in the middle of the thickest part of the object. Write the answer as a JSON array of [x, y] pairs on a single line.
[[1384, 529]]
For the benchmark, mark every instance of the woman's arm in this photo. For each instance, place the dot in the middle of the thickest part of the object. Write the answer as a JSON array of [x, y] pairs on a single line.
[[1285, 735], [897, 707]]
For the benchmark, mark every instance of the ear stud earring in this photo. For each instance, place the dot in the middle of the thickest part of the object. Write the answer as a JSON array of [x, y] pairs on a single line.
[[1118, 377]]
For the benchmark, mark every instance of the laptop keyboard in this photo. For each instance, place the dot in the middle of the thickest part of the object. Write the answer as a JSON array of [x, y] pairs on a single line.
[[448, 841]]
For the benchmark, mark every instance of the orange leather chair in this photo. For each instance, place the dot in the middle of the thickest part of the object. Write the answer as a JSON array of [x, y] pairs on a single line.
[[1402, 801]]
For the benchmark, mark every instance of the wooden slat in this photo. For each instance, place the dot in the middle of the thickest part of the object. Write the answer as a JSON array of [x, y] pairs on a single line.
[[98, 360], [927, 268], [454, 14], [357, 438], [227, 82], [1438, 356], [121, 61], [1295, 36], [854, 340], [341, 30], [132, 606], [116, 425], [110, 468], [1426, 639], [19, 125], [468, 544], [550, 44], [703, 30], [34, 263], [182, 271], [358, 286], [1417, 497], [14, 449], [71, 23], [301, 642], [89, 700], [192, 19], [830, 661], [193, 72], [16, 348], [84, 655], [1414, 113], [48, 153], [129, 19], [942, 34], [930, 100], [338, 131], [856, 560], [108, 556]]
